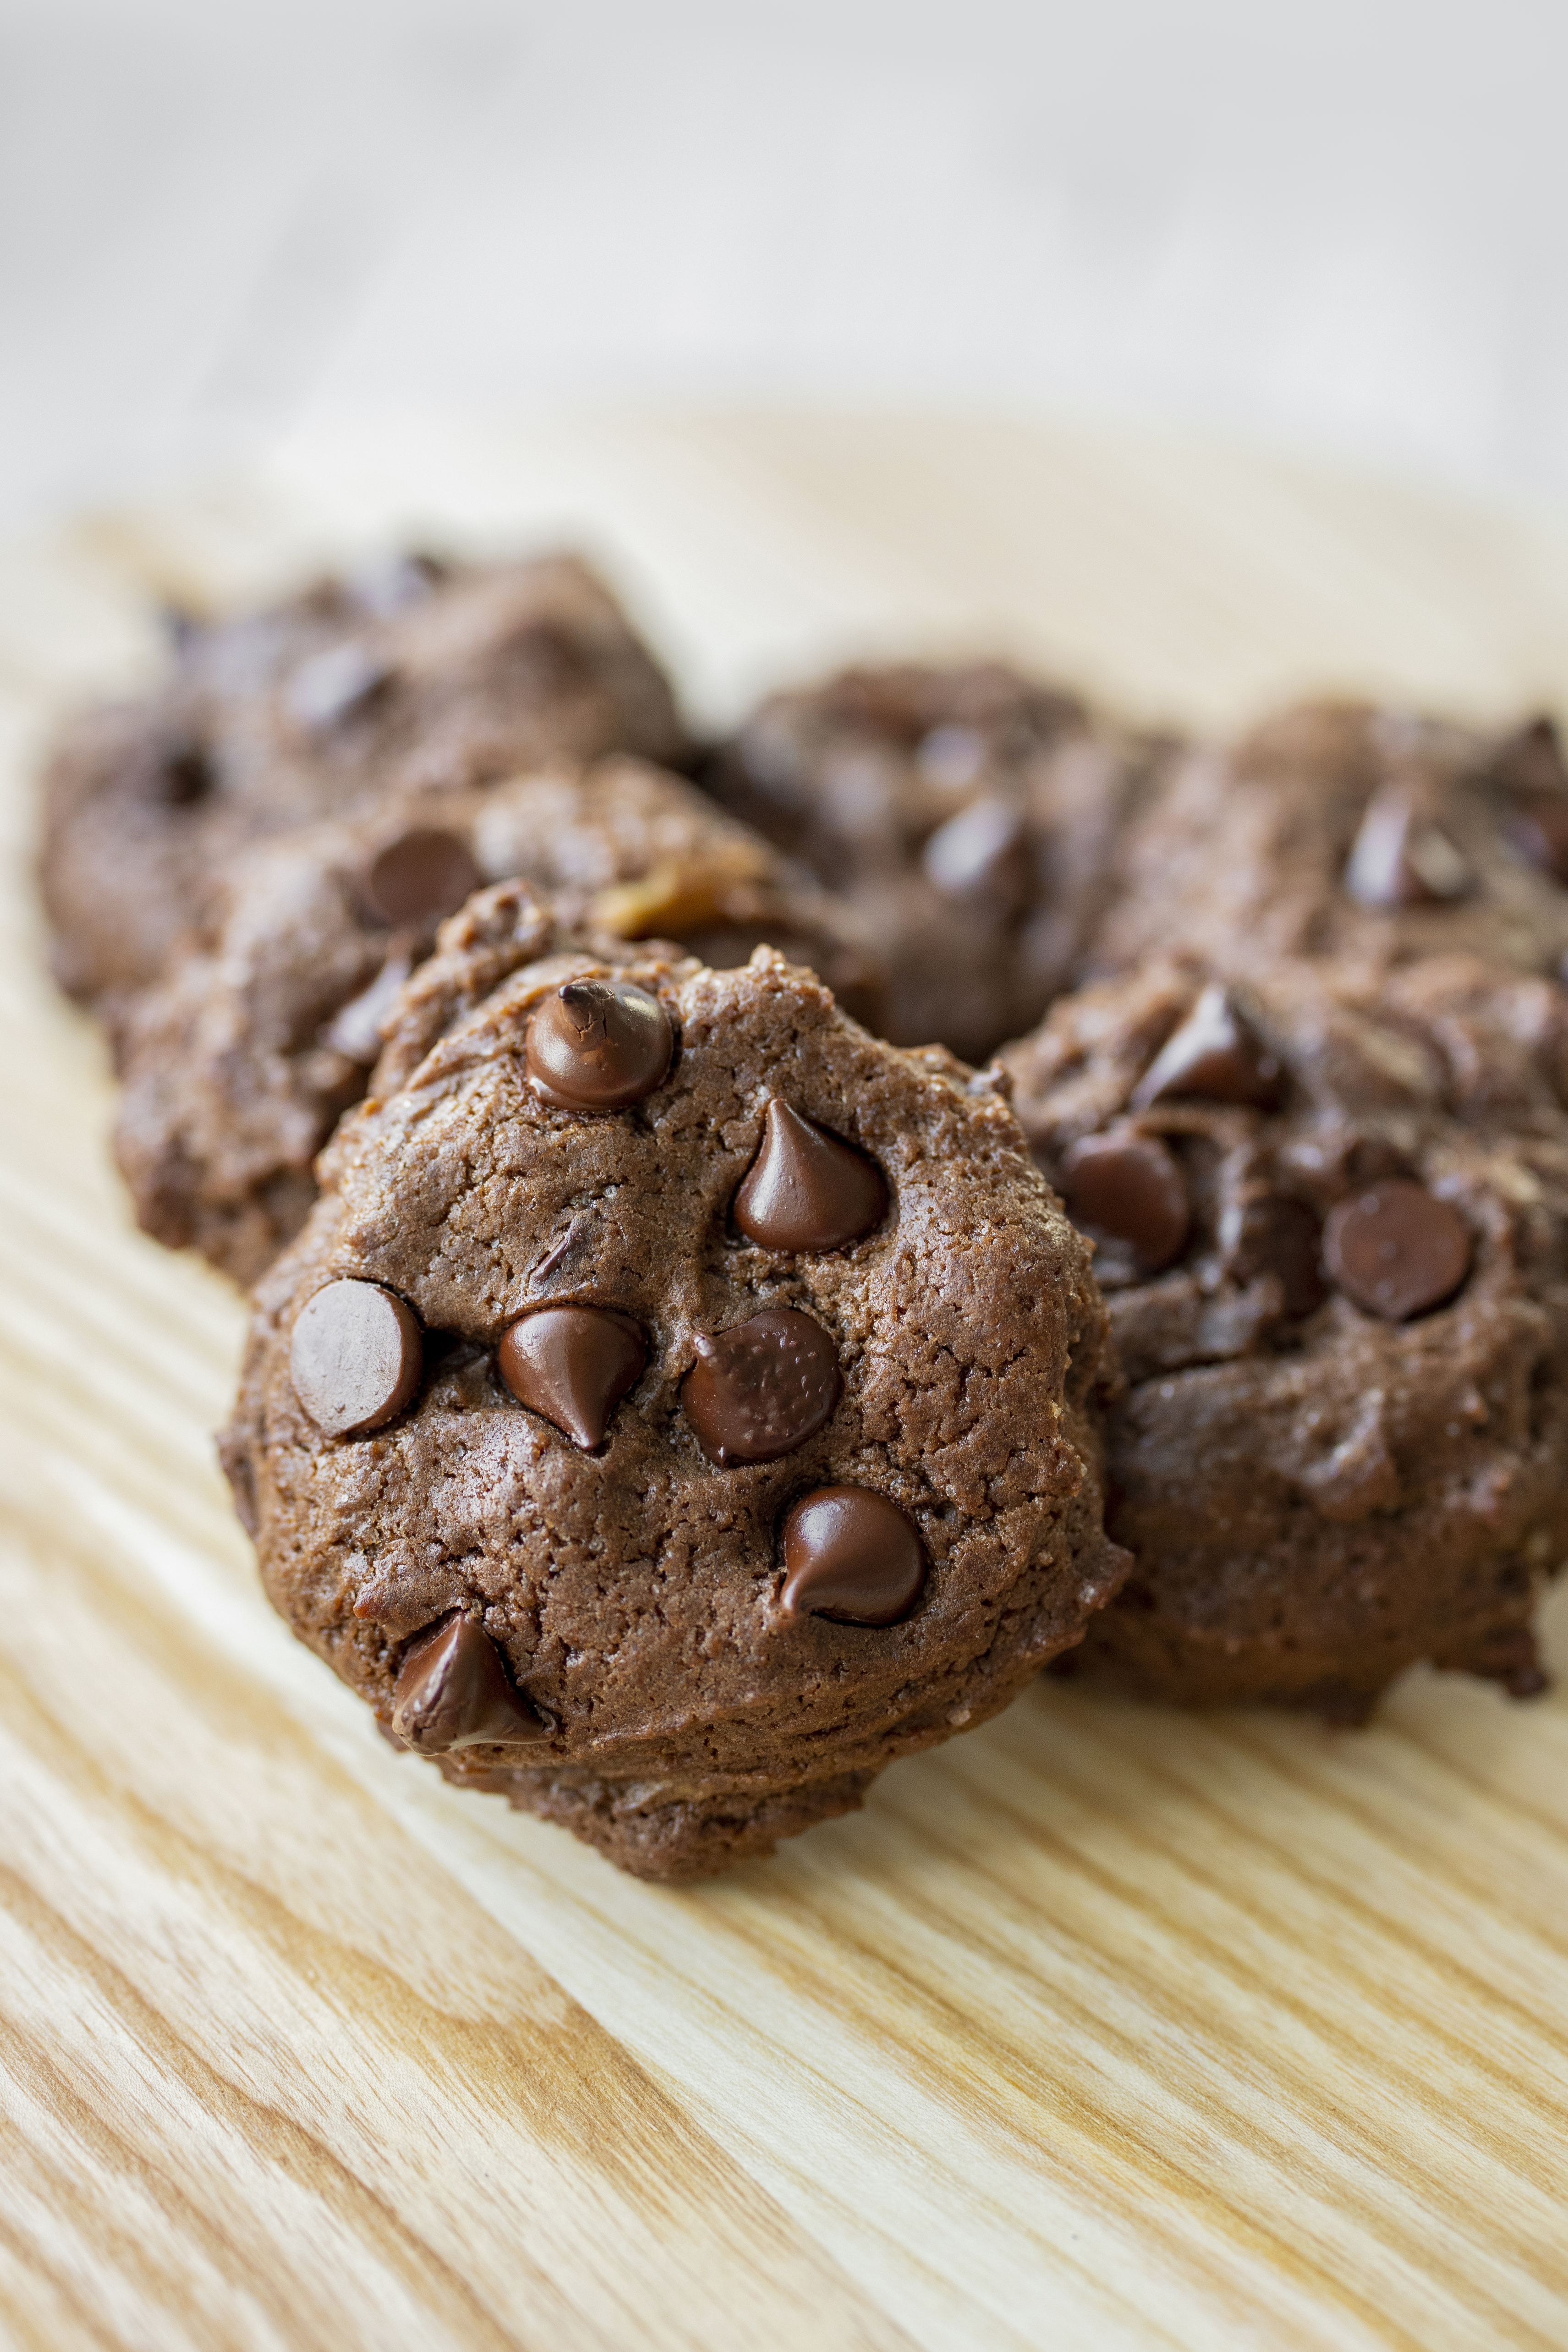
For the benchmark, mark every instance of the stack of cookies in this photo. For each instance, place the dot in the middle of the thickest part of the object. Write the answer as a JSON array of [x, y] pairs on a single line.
[[758, 1250]]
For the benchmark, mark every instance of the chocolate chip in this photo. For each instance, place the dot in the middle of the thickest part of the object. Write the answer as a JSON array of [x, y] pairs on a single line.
[[764, 1386], [420, 874], [1281, 1236], [598, 1044], [1216, 1055], [453, 1691], [1130, 1186], [574, 1365], [356, 1358], [1532, 761], [355, 1029], [807, 1190], [850, 1554], [1398, 859], [185, 773], [1396, 1250], [330, 687], [981, 853]]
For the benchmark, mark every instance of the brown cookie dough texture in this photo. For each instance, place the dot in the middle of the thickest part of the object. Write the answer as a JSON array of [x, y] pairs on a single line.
[[752, 1446], [972, 816], [418, 678], [238, 1063], [1338, 829], [1332, 1217]]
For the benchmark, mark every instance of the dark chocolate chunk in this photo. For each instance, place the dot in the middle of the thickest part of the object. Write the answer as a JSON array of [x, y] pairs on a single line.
[[1279, 1235], [1399, 860], [453, 1691], [1130, 1186], [981, 853], [805, 1190], [1396, 1250], [852, 1555], [330, 687], [356, 1356], [764, 1386], [1216, 1055], [574, 1365], [423, 874], [598, 1044]]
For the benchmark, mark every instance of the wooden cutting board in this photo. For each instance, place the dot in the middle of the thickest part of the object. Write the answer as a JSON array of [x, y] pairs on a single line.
[[1102, 2027]]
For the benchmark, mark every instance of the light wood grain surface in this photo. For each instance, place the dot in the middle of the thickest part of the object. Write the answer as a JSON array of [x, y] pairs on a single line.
[[1099, 2028]]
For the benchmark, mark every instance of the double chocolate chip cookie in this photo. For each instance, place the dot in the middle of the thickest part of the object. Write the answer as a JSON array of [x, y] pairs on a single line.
[[237, 1064], [678, 1405], [1337, 829], [969, 814], [418, 678], [1331, 1215]]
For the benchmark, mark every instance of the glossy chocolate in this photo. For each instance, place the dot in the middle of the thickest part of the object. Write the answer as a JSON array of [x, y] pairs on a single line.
[[422, 875], [1215, 1056], [764, 1386], [1399, 860], [1128, 1186], [598, 1044], [574, 1365], [356, 1356], [453, 1691], [852, 1555], [805, 1190], [1396, 1249]]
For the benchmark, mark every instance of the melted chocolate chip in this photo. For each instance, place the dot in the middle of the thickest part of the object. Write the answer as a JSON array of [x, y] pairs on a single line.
[[421, 874], [981, 853], [356, 1358], [598, 1044], [1216, 1055], [1281, 1236], [764, 1386], [807, 1190], [453, 1691], [1400, 860], [1396, 1250], [852, 1554], [330, 687], [1130, 1186], [574, 1365]]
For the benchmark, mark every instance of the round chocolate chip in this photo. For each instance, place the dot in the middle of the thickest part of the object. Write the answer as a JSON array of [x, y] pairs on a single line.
[[1396, 1250], [423, 874], [850, 1554], [598, 1044], [807, 1190], [573, 1365], [356, 1358], [453, 1691], [1130, 1186], [764, 1386], [1216, 1055]]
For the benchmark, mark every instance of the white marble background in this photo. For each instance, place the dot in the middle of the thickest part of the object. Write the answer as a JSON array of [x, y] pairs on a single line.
[[1342, 228]]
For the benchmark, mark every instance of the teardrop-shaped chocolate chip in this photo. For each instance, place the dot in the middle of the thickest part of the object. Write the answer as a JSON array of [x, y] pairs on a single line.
[[805, 1190], [1396, 1249], [420, 874], [328, 688], [1399, 859], [1216, 1055], [764, 1386], [982, 853], [573, 1365], [453, 1691], [598, 1044], [852, 1555], [1131, 1187], [356, 1356]]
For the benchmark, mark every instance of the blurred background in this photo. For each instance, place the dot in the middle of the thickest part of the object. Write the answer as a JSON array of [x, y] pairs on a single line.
[[1340, 230]]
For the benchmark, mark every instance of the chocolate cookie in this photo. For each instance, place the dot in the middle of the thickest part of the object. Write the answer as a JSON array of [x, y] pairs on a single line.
[[237, 1064], [678, 1405], [419, 678], [1332, 1220], [1336, 829], [969, 814]]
